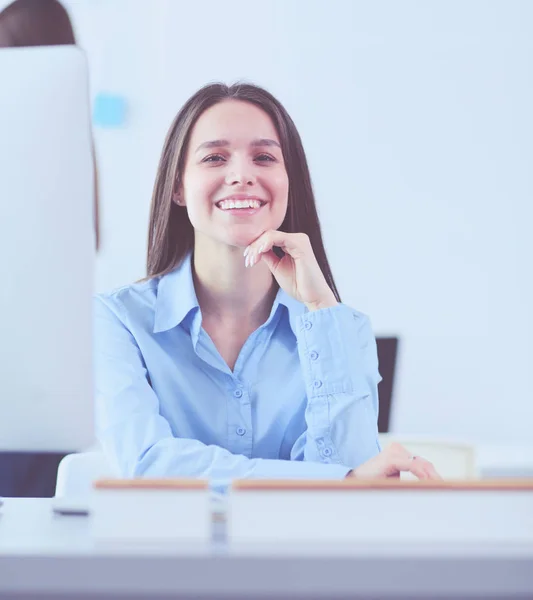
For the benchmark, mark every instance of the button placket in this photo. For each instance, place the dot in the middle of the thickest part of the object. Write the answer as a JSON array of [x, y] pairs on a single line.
[[241, 425]]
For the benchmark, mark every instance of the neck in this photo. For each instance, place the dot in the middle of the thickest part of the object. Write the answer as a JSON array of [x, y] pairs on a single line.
[[229, 292]]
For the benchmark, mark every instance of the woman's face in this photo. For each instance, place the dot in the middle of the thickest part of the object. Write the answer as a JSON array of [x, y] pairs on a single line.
[[235, 184]]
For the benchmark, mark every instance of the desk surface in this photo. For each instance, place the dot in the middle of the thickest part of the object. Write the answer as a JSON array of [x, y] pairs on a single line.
[[41, 553]]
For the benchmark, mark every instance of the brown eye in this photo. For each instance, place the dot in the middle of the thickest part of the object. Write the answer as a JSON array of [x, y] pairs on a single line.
[[213, 156]]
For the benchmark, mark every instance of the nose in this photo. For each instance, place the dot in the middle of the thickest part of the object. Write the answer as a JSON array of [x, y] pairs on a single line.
[[240, 174]]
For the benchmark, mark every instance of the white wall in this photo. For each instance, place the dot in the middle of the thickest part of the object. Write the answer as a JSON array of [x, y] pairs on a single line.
[[416, 118]]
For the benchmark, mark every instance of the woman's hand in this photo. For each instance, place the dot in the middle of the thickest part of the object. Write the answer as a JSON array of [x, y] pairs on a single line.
[[298, 272], [391, 461]]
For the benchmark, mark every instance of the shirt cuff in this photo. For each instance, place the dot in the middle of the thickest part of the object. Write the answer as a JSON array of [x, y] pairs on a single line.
[[327, 343]]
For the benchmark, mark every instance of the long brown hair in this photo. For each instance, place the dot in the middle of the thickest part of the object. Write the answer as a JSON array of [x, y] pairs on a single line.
[[35, 23], [171, 234], [43, 23]]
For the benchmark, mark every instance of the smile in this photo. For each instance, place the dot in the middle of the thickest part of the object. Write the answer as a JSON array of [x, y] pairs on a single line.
[[230, 204]]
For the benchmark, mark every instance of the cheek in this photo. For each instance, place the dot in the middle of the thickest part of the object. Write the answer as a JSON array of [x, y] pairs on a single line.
[[199, 193], [279, 189], [199, 187], [283, 192], [279, 186]]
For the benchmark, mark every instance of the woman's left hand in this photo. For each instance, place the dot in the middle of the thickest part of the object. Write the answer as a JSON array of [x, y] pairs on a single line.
[[298, 272], [391, 461]]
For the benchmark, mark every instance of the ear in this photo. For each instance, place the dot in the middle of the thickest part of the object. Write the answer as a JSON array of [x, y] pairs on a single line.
[[177, 198]]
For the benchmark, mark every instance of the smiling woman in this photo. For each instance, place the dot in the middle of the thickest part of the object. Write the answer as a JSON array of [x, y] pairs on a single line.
[[235, 356], [222, 142]]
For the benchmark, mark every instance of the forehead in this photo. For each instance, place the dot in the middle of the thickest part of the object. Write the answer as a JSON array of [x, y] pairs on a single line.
[[235, 121]]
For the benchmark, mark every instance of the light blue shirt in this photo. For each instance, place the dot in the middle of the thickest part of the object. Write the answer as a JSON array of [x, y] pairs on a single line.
[[301, 402]]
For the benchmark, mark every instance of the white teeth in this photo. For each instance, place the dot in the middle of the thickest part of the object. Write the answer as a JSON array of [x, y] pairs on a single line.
[[229, 204]]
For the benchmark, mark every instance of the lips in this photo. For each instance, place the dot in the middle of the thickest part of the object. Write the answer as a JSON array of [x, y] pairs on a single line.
[[241, 205], [235, 204], [237, 196], [241, 212]]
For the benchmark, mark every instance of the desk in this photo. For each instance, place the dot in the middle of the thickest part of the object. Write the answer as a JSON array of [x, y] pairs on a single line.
[[42, 555]]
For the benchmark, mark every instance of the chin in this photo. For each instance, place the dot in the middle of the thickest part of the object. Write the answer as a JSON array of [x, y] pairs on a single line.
[[243, 236], [241, 241]]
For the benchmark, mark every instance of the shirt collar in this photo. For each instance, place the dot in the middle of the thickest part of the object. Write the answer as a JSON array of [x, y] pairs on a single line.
[[176, 298]]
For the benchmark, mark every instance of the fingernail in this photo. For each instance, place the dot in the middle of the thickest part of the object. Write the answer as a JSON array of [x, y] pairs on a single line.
[[246, 262], [261, 248], [246, 251]]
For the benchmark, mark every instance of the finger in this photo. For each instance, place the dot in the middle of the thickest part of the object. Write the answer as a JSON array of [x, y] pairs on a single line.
[[294, 244], [411, 465], [430, 470], [262, 245], [418, 466], [425, 467], [271, 259], [253, 256]]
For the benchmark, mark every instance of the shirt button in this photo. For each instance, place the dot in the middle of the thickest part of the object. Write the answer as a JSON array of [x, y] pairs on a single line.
[[317, 383], [308, 325], [326, 452], [241, 431], [237, 393], [313, 355]]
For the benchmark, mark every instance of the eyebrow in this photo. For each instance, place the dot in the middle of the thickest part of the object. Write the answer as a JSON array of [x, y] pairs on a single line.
[[221, 143]]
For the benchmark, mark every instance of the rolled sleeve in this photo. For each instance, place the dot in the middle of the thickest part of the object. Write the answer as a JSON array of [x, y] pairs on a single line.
[[338, 354]]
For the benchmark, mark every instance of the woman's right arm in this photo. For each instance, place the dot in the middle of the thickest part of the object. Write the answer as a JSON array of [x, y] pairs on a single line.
[[139, 440]]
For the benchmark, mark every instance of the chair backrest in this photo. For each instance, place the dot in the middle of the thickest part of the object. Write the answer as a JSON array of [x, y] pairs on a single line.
[[77, 472], [452, 459], [387, 355]]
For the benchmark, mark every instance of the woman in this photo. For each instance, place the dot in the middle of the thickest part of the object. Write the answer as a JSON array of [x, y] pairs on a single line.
[[235, 357]]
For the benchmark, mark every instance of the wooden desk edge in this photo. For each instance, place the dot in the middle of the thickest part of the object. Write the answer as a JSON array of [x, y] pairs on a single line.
[[383, 484], [146, 483]]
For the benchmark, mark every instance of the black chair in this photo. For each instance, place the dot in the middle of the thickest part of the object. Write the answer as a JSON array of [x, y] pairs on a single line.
[[387, 354]]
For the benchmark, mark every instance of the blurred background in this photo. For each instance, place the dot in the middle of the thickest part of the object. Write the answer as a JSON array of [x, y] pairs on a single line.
[[417, 122]]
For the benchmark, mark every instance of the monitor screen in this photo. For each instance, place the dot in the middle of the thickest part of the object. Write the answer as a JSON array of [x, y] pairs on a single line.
[[46, 250]]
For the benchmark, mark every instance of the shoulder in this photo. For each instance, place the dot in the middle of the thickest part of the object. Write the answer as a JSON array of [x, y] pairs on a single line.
[[131, 299]]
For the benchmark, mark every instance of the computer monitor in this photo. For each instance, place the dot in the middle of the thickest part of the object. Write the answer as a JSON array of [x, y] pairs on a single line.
[[46, 251]]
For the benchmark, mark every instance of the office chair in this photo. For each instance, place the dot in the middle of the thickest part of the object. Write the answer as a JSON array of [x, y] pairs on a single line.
[[387, 354]]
